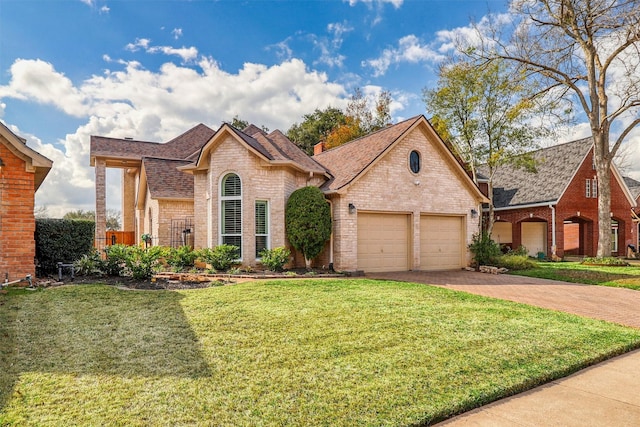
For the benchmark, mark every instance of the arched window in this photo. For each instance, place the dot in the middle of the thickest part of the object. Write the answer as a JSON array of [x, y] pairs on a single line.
[[231, 211]]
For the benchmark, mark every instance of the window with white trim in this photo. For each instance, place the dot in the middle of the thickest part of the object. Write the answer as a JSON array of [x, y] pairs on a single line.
[[587, 188], [262, 226], [231, 211], [594, 188], [614, 235]]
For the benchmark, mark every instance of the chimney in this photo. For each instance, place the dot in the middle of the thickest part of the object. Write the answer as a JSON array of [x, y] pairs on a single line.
[[318, 148]]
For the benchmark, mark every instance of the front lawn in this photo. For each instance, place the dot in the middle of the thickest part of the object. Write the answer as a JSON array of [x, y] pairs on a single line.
[[622, 277], [297, 352]]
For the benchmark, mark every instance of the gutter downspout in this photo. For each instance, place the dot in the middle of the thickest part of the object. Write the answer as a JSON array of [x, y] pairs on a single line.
[[553, 231]]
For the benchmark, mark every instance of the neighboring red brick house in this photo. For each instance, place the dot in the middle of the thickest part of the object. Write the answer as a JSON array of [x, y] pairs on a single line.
[[22, 171], [555, 211], [399, 198]]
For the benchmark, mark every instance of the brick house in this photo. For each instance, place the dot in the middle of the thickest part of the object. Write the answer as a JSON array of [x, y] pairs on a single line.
[[399, 198], [22, 171], [555, 211]]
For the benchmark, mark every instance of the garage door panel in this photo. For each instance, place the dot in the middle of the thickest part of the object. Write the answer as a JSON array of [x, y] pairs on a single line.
[[534, 237], [441, 242], [383, 242]]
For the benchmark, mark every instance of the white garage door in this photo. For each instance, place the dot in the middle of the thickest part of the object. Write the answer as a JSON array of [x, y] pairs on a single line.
[[534, 237], [383, 242], [441, 242], [501, 232]]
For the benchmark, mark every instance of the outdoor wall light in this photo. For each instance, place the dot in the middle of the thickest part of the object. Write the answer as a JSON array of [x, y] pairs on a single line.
[[1, 163], [474, 213], [352, 208]]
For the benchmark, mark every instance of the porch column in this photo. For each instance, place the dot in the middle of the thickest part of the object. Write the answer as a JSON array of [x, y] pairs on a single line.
[[101, 204], [128, 199]]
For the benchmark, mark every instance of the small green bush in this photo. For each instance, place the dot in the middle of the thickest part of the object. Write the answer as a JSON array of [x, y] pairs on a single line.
[[605, 261], [485, 250], [142, 263], [89, 265], [221, 258], [516, 262], [275, 259], [181, 258], [116, 257], [522, 251]]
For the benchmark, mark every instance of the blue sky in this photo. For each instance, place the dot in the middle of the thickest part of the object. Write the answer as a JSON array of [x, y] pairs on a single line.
[[152, 69]]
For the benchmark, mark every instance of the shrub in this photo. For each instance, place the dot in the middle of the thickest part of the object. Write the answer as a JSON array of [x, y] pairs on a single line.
[[221, 258], [605, 261], [181, 258], [142, 263], [275, 259], [485, 250], [522, 251], [89, 265], [516, 262], [62, 240], [116, 257], [308, 221]]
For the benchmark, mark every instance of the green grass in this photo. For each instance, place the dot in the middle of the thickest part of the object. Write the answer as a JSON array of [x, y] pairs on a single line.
[[297, 352], [621, 277]]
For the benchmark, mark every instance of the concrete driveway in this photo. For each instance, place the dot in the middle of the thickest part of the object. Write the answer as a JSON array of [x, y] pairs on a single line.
[[617, 305]]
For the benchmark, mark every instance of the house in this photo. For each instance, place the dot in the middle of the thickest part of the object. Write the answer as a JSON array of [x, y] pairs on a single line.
[[555, 211], [399, 198], [22, 171]]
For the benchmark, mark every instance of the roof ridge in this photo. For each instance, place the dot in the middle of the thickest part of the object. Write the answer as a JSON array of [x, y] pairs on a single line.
[[414, 118]]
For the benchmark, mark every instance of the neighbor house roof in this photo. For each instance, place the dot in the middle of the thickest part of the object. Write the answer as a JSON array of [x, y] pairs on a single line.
[[346, 162], [165, 181], [34, 161], [633, 185], [556, 166], [181, 147]]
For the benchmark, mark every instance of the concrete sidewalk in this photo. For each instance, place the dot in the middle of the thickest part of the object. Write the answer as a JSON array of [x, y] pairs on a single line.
[[606, 394]]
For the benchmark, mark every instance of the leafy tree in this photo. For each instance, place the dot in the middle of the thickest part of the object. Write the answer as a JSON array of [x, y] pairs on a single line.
[[113, 217], [360, 118], [585, 52], [238, 123], [486, 112], [315, 128], [308, 222]]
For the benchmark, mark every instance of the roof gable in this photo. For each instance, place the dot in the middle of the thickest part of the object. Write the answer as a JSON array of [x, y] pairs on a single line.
[[35, 162]]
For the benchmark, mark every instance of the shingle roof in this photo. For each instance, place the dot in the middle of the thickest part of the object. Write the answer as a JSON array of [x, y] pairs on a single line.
[[347, 161], [633, 185], [555, 166], [180, 147], [165, 181]]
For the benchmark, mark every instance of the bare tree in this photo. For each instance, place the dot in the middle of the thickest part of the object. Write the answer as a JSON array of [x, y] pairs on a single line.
[[587, 51]]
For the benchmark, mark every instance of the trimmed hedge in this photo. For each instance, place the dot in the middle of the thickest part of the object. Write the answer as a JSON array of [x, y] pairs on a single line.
[[62, 240]]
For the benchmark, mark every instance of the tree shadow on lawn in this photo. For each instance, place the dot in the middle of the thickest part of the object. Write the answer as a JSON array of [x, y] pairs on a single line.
[[96, 330]]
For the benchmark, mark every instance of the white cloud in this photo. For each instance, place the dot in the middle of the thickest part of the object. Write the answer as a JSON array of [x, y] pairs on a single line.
[[156, 106], [177, 33], [105, 9], [471, 35], [187, 54], [409, 50], [329, 47], [395, 3]]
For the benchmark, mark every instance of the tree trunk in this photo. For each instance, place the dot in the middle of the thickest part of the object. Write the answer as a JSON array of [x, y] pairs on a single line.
[[307, 263], [490, 216], [603, 173]]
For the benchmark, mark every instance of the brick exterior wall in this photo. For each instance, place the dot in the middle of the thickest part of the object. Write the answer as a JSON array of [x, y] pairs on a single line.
[[390, 186], [129, 200], [17, 221], [260, 181], [171, 210], [576, 207]]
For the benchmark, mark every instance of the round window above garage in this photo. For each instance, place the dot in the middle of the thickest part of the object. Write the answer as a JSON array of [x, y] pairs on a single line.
[[414, 161]]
